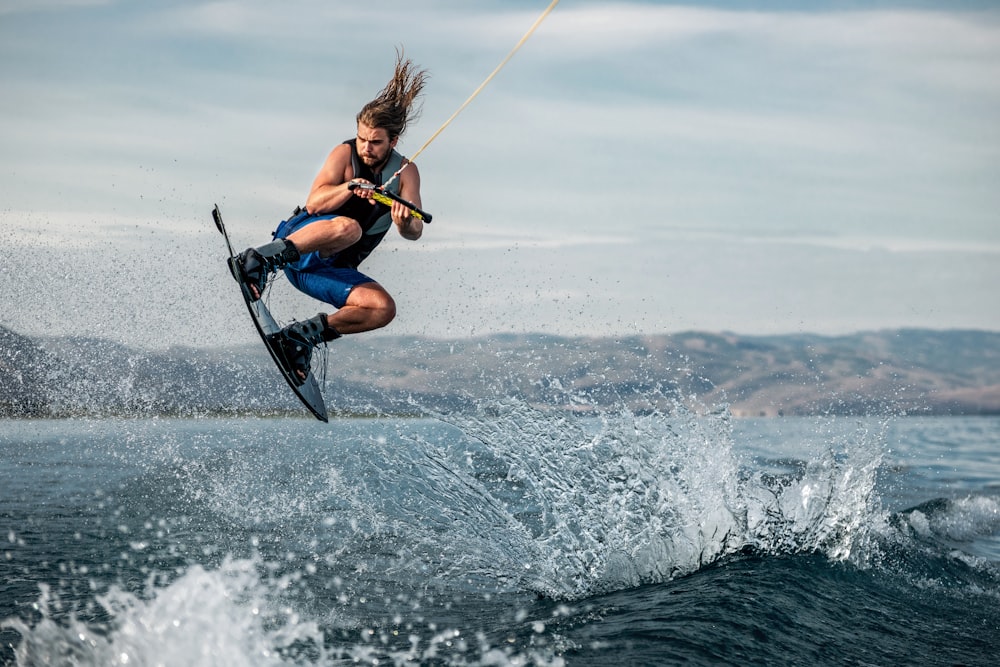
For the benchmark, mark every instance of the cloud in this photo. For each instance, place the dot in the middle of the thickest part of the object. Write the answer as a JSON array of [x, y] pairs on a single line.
[[247, 19], [645, 162], [600, 28], [38, 6]]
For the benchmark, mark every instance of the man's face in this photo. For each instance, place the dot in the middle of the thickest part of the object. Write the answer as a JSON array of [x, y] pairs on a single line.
[[374, 144]]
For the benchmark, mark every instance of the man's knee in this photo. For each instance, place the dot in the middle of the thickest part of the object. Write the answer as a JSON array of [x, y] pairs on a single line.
[[385, 312], [344, 232], [327, 236], [375, 305]]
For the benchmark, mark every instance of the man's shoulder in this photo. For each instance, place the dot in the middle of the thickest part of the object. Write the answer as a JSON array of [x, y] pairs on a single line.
[[405, 162], [343, 148], [341, 154], [409, 175]]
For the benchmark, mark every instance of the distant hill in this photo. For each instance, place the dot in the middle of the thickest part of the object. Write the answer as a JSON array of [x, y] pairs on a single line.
[[910, 371], [24, 369]]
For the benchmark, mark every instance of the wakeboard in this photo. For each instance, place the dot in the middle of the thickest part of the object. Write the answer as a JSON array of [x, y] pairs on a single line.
[[307, 391]]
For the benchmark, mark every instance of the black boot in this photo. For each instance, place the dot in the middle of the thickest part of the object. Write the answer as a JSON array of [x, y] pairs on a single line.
[[297, 340], [254, 266]]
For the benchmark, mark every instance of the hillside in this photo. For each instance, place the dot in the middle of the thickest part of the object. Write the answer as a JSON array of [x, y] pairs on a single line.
[[900, 371], [912, 371]]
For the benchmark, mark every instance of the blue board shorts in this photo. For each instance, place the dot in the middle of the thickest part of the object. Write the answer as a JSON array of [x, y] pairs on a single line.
[[317, 276]]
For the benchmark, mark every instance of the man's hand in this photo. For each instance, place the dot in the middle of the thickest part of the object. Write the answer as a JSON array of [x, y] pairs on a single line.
[[410, 227], [401, 213], [364, 192], [407, 216]]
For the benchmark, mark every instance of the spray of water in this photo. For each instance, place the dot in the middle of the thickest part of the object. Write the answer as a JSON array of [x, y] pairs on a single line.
[[509, 499], [571, 506]]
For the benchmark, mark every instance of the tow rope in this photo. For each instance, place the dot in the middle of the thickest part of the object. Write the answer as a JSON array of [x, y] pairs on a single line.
[[478, 90]]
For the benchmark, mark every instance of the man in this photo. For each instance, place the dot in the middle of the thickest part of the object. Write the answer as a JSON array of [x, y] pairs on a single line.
[[321, 246]]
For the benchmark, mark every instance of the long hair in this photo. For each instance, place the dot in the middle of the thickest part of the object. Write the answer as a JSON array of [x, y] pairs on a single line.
[[394, 106]]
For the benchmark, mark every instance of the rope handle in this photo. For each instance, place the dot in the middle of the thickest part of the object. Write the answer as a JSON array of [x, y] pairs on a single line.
[[386, 197]]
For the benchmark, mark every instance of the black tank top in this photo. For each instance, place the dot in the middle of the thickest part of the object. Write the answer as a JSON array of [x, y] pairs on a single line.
[[375, 220]]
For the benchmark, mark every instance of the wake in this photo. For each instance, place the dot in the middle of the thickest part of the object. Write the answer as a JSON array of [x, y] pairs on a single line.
[[570, 506]]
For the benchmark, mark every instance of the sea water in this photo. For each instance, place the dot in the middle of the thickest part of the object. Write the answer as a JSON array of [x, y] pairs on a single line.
[[507, 536]]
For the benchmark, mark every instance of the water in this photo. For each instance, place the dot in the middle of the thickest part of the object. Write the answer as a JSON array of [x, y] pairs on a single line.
[[507, 537]]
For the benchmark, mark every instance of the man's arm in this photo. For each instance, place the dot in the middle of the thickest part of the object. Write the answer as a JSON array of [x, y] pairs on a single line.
[[329, 189], [410, 227]]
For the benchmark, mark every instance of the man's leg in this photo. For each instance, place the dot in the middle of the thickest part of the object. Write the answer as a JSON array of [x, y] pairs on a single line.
[[327, 236], [368, 307]]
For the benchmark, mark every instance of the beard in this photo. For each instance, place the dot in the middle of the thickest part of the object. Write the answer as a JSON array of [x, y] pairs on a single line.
[[374, 160]]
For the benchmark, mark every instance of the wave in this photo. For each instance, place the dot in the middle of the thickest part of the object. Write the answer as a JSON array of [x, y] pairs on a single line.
[[285, 554], [219, 617], [570, 507]]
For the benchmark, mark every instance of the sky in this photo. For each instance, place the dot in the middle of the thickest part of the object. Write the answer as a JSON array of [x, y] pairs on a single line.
[[636, 168]]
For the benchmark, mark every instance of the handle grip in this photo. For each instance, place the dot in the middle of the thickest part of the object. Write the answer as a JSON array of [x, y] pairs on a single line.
[[385, 197]]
